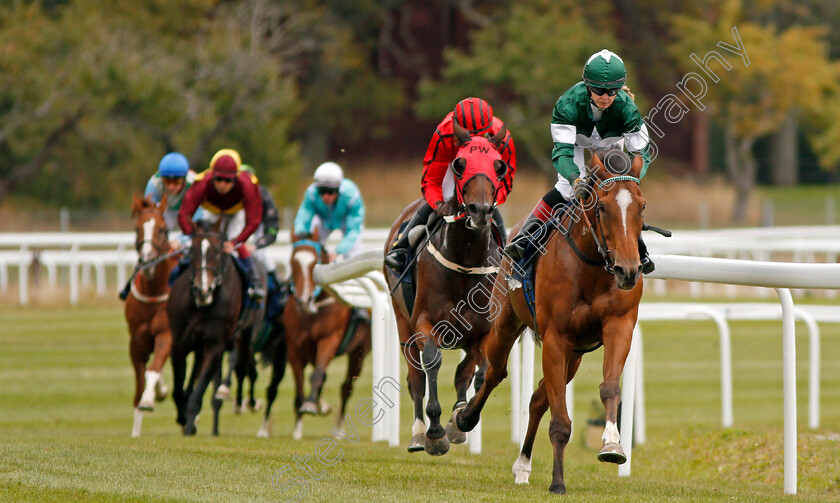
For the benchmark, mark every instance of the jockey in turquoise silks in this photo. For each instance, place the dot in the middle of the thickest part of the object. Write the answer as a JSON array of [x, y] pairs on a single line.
[[599, 114], [331, 203]]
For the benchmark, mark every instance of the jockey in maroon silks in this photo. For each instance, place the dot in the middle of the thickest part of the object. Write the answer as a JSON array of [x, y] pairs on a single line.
[[224, 190], [438, 183]]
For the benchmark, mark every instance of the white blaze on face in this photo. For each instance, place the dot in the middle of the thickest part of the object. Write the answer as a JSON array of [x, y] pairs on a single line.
[[624, 199], [205, 280], [148, 235], [611, 435], [305, 259]]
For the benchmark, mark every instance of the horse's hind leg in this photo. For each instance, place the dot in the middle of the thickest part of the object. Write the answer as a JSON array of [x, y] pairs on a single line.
[[416, 386], [162, 349], [297, 372], [355, 358], [557, 357], [463, 377], [179, 371], [436, 442], [216, 403], [210, 364], [223, 390]]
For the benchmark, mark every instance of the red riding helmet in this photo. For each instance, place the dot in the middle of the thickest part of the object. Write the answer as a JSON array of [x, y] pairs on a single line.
[[474, 114]]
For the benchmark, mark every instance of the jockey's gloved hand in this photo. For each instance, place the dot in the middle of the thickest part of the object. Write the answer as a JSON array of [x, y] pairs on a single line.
[[581, 190], [440, 209]]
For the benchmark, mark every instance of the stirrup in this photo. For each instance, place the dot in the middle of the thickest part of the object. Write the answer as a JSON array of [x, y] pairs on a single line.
[[648, 266]]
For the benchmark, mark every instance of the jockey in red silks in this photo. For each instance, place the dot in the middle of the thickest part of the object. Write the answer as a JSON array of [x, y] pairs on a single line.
[[222, 191], [438, 184]]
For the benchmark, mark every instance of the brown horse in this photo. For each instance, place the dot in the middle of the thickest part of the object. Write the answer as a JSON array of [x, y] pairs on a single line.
[[453, 279], [145, 307], [587, 289], [316, 324]]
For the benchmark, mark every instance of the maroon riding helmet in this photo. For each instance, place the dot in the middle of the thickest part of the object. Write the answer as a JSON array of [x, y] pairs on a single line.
[[474, 114], [225, 167]]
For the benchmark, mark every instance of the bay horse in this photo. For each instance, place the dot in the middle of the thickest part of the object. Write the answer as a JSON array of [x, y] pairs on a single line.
[[453, 273], [203, 309], [145, 306], [317, 329], [588, 284]]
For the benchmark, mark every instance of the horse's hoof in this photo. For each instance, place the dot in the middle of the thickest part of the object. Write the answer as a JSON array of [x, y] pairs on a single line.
[[190, 430], [237, 409], [612, 453], [417, 442], [455, 435], [222, 393], [521, 469], [146, 406], [456, 420], [437, 446], [256, 406], [308, 408], [324, 408], [557, 488], [161, 392]]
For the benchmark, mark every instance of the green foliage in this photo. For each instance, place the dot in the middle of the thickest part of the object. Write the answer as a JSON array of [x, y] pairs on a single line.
[[520, 65]]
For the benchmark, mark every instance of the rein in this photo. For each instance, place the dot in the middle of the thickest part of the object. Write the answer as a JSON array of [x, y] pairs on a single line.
[[456, 267]]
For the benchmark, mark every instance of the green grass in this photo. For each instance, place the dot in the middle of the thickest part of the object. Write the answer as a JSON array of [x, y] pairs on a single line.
[[65, 421]]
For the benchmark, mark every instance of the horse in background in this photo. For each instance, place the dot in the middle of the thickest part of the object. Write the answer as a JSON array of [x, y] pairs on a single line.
[[456, 267], [588, 284], [318, 328], [145, 307], [204, 308]]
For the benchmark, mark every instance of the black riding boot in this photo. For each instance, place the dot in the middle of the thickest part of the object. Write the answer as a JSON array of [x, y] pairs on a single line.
[[534, 229], [397, 257], [647, 264], [255, 289], [127, 288]]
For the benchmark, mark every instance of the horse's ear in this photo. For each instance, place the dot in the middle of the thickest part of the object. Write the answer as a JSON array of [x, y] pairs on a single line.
[[596, 167], [136, 205], [461, 134], [499, 137], [459, 165], [618, 163], [501, 168]]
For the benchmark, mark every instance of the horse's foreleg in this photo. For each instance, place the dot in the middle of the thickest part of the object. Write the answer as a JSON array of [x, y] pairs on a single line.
[[326, 350], [223, 390], [278, 370], [297, 372], [355, 359], [210, 363], [556, 355], [436, 443], [617, 337], [162, 349], [464, 374], [216, 403], [139, 356], [179, 371]]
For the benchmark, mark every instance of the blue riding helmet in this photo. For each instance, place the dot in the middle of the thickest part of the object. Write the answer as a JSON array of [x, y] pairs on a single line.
[[173, 164]]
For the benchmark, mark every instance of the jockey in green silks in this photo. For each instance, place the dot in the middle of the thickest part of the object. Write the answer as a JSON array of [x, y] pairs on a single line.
[[600, 114]]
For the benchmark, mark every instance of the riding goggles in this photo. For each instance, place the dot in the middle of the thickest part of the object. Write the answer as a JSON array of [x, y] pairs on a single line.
[[327, 191], [600, 91]]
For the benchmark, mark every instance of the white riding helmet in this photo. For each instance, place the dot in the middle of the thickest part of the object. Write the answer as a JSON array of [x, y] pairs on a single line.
[[329, 175]]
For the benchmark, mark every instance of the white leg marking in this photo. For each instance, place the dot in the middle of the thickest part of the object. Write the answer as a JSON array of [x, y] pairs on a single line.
[[148, 397], [265, 429], [611, 435], [138, 423], [624, 199], [521, 469], [298, 434], [418, 428]]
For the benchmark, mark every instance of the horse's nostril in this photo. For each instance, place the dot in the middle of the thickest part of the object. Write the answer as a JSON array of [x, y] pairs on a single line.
[[472, 208], [619, 271]]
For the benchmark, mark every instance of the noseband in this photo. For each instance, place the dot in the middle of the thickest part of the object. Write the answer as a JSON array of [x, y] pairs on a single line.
[[607, 259]]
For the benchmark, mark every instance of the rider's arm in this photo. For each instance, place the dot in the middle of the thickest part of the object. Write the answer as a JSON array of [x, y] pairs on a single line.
[[154, 189], [435, 163], [306, 212], [193, 197], [563, 133], [508, 152], [636, 138], [252, 204], [270, 220], [353, 224]]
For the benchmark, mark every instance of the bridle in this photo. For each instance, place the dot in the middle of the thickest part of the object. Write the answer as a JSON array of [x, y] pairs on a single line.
[[159, 247], [597, 231], [216, 272], [316, 290]]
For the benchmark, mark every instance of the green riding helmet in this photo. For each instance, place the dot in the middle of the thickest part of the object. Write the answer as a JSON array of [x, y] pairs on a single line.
[[604, 69]]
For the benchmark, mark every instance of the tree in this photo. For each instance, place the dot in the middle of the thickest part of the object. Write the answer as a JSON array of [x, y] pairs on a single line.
[[520, 64], [778, 73]]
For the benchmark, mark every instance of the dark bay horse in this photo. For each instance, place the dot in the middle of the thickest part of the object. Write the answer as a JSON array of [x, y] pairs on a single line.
[[317, 329], [588, 287], [145, 307], [203, 308], [454, 279]]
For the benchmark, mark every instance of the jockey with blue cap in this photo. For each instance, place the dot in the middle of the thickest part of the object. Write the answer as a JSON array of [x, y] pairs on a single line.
[[331, 203], [599, 113], [173, 178]]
